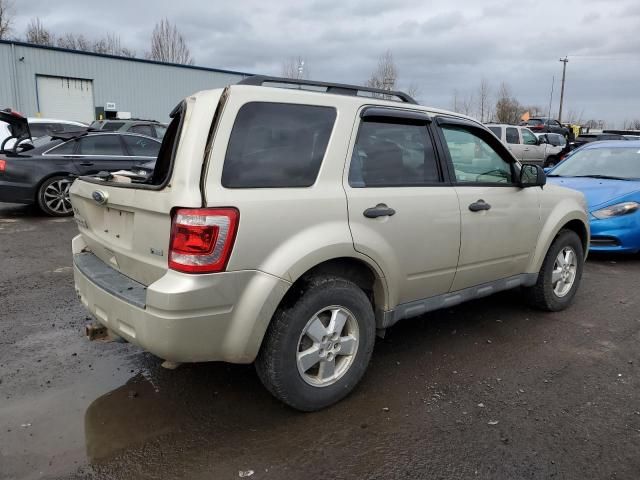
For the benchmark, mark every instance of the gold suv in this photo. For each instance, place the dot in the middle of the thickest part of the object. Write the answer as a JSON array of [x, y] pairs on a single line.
[[286, 222]]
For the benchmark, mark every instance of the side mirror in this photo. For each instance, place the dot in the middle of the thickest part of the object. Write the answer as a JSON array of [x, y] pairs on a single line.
[[532, 176]]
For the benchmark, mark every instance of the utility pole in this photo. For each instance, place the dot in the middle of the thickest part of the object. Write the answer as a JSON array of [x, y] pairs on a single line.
[[564, 61]]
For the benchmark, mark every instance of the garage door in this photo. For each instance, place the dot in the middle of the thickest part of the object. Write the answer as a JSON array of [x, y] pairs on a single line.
[[65, 98]]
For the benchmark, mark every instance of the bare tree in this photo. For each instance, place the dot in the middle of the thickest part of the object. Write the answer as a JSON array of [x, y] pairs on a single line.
[[574, 117], [38, 34], [484, 93], [508, 109], [385, 75], [295, 68], [414, 90], [6, 18], [466, 104], [111, 45], [168, 45]]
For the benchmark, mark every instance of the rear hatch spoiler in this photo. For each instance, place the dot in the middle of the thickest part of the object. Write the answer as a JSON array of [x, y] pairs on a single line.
[[18, 126]]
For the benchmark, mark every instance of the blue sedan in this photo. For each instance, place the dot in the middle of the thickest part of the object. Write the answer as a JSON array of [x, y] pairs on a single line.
[[608, 174]]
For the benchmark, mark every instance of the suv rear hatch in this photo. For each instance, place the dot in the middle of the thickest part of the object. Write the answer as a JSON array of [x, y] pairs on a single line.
[[128, 225]]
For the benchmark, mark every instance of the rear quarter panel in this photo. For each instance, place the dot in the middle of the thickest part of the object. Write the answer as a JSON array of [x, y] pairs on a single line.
[[286, 231]]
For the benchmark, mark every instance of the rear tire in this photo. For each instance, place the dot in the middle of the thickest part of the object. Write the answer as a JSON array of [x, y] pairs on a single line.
[[317, 349], [53, 196], [560, 275], [551, 161]]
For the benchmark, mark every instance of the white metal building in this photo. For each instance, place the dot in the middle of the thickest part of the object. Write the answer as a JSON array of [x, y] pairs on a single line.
[[72, 85]]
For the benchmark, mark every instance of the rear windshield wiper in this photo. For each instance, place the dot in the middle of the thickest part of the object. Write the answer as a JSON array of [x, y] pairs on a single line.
[[605, 177]]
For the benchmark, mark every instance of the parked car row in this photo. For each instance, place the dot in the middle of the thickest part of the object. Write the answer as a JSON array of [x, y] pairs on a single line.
[[40, 172], [526, 146]]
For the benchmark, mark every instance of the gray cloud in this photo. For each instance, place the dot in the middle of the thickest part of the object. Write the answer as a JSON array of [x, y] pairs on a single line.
[[439, 46]]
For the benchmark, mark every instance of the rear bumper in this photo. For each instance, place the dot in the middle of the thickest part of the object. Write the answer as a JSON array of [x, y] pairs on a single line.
[[15, 192], [180, 317]]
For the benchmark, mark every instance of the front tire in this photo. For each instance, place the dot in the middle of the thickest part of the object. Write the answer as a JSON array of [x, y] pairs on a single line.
[[560, 275], [53, 196], [317, 349]]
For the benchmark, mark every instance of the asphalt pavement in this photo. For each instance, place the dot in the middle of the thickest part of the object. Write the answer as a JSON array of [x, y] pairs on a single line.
[[487, 390]]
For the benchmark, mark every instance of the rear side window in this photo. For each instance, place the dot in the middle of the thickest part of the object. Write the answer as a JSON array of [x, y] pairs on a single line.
[[393, 155], [66, 148], [512, 135], [497, 131], [277, 145], [100, 145]]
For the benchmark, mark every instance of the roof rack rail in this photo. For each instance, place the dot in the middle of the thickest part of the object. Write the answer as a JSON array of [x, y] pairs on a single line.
[[336, 88]]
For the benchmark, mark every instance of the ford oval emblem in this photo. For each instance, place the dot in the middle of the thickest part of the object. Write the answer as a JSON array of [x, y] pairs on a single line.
[[99, 197]]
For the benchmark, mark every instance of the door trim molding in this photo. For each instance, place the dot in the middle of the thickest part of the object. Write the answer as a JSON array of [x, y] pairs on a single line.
[[446, 300]]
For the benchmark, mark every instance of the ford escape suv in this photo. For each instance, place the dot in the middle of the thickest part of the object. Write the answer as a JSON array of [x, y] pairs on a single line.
[[287, 222]]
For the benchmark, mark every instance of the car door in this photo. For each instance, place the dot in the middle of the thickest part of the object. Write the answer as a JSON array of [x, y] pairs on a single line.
[[514, 142], [101, 152], [534, 152], [403, 214], [500, 220]]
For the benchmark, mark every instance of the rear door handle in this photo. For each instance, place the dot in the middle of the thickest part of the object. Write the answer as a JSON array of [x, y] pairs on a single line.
[[86, 164], [479, 206], [380, 210]]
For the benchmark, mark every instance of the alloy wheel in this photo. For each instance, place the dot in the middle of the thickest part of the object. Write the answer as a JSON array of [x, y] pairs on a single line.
[[565, 269], [327, 346], [56, 196]]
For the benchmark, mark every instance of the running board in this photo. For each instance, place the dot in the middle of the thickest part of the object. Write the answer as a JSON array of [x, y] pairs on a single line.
[[447, 300]]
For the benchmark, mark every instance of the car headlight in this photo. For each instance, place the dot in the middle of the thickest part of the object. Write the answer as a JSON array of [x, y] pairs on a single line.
[[616, 210]]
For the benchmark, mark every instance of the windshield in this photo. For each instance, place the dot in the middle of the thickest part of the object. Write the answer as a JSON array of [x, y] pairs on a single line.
[[601, 162]]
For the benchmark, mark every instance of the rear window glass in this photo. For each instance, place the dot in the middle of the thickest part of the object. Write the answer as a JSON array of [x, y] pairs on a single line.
[[535, 121], [39, 129], [143, 130], [277, 145], [111, 126]]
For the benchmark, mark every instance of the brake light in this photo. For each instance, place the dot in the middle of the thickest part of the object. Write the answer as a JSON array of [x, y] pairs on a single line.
[[3, 164], [202, 239]]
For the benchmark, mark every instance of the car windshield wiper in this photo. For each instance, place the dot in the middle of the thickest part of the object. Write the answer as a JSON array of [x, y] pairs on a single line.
[[605, 177], [554, 175]]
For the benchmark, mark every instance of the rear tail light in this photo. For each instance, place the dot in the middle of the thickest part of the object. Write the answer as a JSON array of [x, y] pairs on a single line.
[[3, 164], [202, 239]]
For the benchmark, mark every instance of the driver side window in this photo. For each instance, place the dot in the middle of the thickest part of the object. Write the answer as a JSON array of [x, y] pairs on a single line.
[[474, 160]]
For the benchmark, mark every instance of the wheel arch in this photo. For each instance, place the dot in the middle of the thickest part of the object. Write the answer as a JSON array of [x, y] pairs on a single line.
[[572, 220], [364, 274]]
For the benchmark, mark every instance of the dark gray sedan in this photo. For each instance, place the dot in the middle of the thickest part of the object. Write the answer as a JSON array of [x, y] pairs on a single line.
[[41, 173]]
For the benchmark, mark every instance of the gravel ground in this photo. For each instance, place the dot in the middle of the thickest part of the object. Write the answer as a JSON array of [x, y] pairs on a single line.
[[487, 390]]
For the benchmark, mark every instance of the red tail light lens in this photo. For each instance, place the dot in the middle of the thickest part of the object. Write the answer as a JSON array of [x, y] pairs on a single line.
[[202, 239], [3, 164]]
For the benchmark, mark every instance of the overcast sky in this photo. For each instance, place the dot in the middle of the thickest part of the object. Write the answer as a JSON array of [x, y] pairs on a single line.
[[437, 46]]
